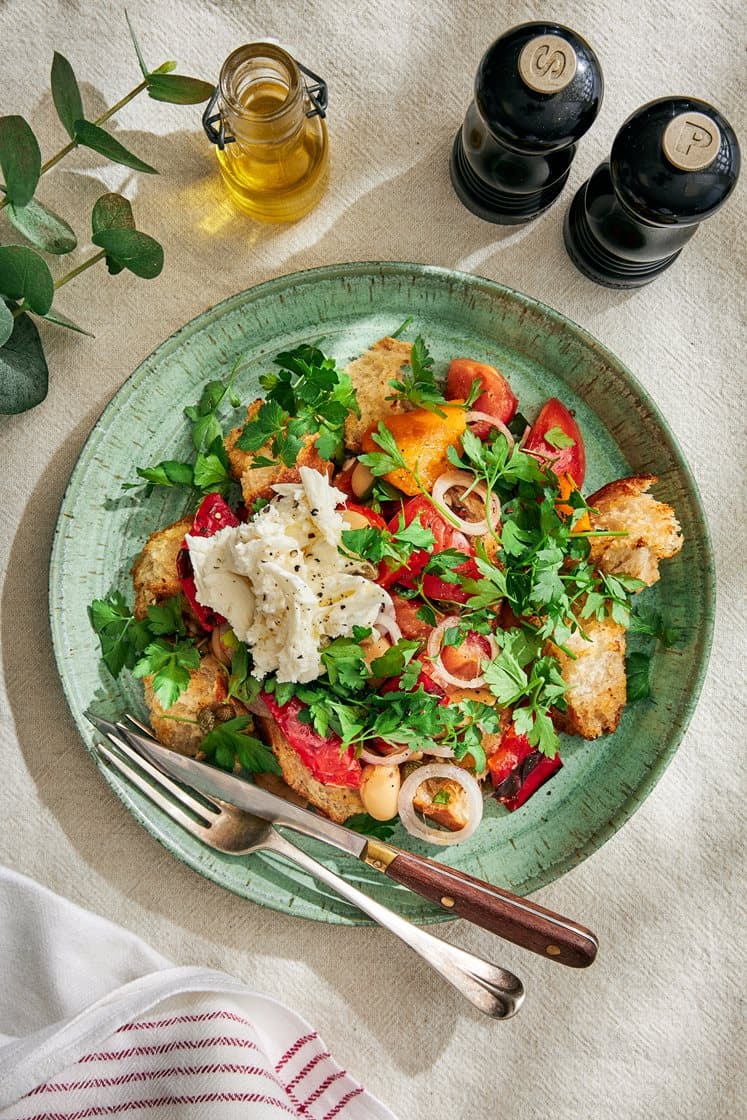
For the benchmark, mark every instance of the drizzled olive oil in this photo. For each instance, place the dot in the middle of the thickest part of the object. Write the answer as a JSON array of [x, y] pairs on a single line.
[[276, 166]]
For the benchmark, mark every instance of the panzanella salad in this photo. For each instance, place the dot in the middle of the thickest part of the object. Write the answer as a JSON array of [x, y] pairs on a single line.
[[390, 593]]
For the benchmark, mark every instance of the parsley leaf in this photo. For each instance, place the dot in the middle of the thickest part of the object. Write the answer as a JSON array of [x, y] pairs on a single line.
[[637, 667], [369, 826], [557, 438], [210, 471], [417, 384], [170, 666], [228, 742], [122, 636], [307, 395]]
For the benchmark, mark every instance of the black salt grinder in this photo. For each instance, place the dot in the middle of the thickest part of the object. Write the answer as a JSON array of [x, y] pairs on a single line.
[[673, 163], [537, 90]]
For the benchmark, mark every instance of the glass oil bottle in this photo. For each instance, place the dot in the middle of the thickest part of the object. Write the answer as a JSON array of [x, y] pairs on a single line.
[[271, 135]]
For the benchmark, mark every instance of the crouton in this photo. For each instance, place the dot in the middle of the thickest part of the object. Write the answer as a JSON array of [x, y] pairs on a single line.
[[452, 814], [154, 572], [596, 679], [207, 689], [336, 802], [653, 531], [371, 374], [257, 482]]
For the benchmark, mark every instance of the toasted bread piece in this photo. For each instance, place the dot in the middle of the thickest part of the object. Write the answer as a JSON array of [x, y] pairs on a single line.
[[257, 482], [371, 374], [453, 814], [207, 689], [336, 802], [596, 679], [653, 531], [154, 572]]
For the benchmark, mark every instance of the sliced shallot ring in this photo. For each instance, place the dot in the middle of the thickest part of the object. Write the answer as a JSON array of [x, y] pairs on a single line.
[[374, 759], [386, 623], [447, 481], [440, 673], [410, 787], [494, 423]]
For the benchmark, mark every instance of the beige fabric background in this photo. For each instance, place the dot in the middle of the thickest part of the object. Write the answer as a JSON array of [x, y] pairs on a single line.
[[654, 1029]]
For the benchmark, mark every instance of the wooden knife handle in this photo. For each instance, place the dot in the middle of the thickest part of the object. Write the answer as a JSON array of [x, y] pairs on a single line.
[[516, 919]]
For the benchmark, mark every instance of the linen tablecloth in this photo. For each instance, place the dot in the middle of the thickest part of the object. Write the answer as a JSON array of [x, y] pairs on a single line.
[[654, 1029]]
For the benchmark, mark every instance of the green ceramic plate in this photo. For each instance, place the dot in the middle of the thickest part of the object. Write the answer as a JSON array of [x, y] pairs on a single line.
[[102, 528]]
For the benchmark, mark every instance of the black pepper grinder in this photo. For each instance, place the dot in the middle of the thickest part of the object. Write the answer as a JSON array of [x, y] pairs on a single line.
[[537, 90], [673, 163]]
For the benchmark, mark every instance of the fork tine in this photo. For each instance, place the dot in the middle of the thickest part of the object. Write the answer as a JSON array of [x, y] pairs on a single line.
[[140, 726], [134, 768]]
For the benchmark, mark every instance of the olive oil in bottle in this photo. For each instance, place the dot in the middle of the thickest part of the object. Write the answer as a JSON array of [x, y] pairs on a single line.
[[274, 155]]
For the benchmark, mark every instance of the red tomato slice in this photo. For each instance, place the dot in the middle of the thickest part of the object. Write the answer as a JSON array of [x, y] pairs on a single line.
[[562, 460], [406, 614], [321, 755], [497, 397], [446, 536]]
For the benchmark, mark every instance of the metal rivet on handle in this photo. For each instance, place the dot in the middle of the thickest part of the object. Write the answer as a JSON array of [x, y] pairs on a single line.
[[547, 64], [552, 951], [691, 141]]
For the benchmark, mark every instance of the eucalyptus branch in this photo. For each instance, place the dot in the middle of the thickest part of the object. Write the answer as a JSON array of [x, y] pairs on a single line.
[[99, 121], [27, 287]]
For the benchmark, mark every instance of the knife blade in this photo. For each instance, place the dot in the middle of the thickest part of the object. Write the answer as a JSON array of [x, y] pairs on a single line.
[[519, 920]]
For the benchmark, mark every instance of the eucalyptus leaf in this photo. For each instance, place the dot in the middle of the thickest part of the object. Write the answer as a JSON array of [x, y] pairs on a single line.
[[43, 228], [20, 159], [6, 322], [24, 275], [136, 45], [131, 249], [178, 89], [66, 94], [112, 211], [61, 320], [91, 136], [23, 368]]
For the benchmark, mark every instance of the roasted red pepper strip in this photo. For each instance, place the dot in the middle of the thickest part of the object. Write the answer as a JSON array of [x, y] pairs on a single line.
[[518, 770], [323, 756], [446, 536], [213, 515]]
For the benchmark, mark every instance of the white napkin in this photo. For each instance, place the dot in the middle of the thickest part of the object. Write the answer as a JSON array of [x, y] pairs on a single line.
[[93, 1022]]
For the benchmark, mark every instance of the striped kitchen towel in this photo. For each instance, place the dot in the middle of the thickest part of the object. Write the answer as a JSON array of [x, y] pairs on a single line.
[[80, 1038]]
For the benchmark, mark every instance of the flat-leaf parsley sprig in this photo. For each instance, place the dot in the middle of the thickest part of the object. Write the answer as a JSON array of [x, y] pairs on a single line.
[[210, 471], [308, 395], [416, 385], [156, 645]]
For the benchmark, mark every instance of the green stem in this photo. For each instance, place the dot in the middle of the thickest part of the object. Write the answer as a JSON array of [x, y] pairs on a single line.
[[81, 268], [22, 309], [74, 143]]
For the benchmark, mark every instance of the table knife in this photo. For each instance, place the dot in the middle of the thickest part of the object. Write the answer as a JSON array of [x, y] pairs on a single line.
[[516, 919]]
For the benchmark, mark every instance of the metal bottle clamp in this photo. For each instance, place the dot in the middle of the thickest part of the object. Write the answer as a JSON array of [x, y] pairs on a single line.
[[316, 93]]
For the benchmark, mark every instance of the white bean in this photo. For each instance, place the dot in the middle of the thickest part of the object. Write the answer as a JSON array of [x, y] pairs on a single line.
[[361, 481], [379, 791], [354, 520]]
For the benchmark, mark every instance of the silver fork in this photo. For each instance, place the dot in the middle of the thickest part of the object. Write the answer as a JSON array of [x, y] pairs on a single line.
[[493, 990]]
